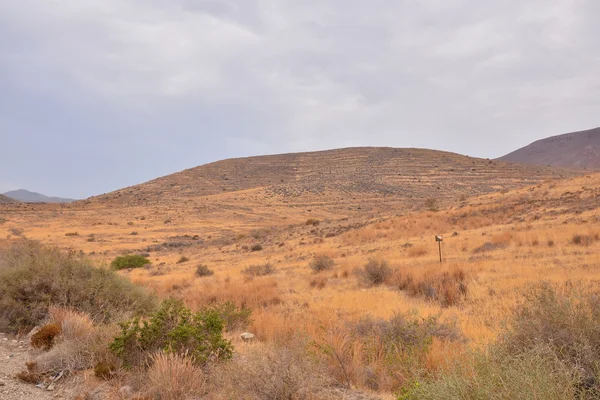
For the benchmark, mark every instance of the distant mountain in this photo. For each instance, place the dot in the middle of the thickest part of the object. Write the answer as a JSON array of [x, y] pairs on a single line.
[[5, 199], [571, 150], [32, 197]]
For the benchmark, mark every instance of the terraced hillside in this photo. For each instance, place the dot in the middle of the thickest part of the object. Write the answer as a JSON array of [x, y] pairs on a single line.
[[403, 174]]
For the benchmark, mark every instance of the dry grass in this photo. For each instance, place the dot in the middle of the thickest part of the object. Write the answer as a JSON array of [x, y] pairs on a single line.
[[174, 377], [524, 235]]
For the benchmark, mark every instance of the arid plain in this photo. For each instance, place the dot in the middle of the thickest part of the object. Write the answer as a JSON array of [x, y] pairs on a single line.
[[261, 223]]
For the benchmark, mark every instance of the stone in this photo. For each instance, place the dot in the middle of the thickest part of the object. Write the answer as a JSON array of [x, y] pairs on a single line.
[[247, 337], [126, 391]]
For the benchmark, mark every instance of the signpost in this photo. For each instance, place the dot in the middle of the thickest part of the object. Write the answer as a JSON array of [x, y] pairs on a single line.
[[439, 239]]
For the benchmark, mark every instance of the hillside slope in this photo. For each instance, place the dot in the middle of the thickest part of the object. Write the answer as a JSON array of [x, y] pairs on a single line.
[[5, 199], [571, 150], [404, 174], [32, 197]]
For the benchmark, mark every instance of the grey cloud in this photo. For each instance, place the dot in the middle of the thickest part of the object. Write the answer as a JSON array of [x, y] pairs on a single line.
[[145, 88]]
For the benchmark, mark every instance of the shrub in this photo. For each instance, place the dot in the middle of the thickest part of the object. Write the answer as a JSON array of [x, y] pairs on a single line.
[[203, 270], [431, 204], [583, 240], [268, 373], [234, 318], [318, 282], [105, 370], [173, 329], [71, 234], [531, 375], [81, 345], [33, 277], [312, 222], [44, 337], [174, 377], [129, 261], [446, 287], [376, 272], [256, 247], [321, 263], [259, 270], [566, 322], [182, 260], [383, 354]]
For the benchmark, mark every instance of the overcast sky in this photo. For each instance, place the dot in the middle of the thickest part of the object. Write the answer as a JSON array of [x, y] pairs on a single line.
[[96, 95]]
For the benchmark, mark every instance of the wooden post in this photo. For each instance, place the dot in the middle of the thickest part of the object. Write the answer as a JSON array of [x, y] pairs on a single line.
[[439, 239]]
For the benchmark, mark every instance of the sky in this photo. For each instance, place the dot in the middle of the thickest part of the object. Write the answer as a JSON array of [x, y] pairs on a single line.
[[96, 95]]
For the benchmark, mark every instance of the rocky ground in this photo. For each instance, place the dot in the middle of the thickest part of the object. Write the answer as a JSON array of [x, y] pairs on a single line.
[[14, 354]]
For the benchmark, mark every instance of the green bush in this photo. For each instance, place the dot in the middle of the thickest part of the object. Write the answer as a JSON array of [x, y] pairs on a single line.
[[33, 277], [129, 261], [234, 318], [175, 329]]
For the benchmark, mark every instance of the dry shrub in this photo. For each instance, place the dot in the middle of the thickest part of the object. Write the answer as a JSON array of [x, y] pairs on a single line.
[[269, 373], [321, 263], [490, 246], [32, 375], [74, 324], [375, 272], [174, 377], [382, 355], [418, 251], [318, 282], [33, 277], [446, 287], [44, 337], [535, 374], [584, 240], [80, 346], [259, 270], [203, 270], [566, 321]]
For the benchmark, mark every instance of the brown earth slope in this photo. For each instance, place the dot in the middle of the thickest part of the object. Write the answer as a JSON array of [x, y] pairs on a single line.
[[404, 174], [571, 150], [4, 199]]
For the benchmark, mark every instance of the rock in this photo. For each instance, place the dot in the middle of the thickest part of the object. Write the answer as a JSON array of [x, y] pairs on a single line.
[[247, 337], [126, 391], [51, 387]]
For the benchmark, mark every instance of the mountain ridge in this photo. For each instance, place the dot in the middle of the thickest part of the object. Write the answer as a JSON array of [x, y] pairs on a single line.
[[579, 150], [27, 196]]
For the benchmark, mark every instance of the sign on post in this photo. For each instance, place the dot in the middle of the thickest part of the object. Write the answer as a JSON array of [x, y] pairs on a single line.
[[439, 239]]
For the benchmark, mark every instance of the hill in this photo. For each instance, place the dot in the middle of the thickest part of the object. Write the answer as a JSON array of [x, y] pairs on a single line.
[[5, 199], [373, 172], [571, 150], [32, 197]]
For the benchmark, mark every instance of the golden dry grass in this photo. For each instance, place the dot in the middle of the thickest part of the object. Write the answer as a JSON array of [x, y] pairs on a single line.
[[495, 245]]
